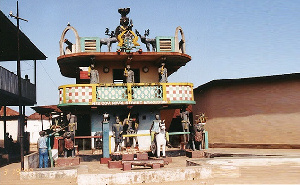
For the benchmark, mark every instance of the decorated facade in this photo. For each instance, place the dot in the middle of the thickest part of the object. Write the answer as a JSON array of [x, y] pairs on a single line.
[[126, 83]]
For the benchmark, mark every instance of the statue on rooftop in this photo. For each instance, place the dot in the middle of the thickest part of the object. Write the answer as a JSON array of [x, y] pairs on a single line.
[[126, 37], [147, 41], [108, 41], [163, 74]]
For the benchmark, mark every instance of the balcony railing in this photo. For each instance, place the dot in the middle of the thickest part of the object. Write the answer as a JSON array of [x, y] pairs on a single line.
[[9, 84], [126, 94]]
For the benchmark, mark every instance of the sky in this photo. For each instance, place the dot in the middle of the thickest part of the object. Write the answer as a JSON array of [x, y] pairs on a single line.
[[227, 39]]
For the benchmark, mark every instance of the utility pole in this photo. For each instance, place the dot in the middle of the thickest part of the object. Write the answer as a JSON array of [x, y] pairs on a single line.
[[20, 120]]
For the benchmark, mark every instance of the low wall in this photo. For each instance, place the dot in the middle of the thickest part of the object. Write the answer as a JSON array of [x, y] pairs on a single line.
[[31, 160]]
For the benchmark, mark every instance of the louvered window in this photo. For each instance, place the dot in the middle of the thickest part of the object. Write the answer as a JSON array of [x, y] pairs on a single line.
[[165, 45], [90, 45]]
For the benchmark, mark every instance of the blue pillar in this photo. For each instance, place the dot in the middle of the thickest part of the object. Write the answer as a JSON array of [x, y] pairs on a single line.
[[206, 139], [105, 137]]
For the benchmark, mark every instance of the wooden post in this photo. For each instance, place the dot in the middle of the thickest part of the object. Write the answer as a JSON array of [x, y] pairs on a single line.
[[4, 124]]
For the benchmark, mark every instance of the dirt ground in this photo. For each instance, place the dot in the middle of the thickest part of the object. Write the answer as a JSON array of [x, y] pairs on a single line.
[[288, 173]]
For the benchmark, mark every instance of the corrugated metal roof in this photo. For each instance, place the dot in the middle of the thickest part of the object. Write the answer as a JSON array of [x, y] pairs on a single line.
[[8, 43]]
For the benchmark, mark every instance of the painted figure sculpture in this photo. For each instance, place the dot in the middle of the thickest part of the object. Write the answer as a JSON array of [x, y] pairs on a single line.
[[161, 141], [129, 74], [148, 42], [198, 132], [126, 37], [94, 75], [117, 130], [108, 41], [72, 126], [159, 137], [130, 127], [163, 73], [185, 121], [69, 144]]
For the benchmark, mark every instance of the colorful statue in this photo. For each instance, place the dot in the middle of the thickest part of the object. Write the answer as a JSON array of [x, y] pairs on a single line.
[[198, 136], [198, 131], [163, 74], [117, 130], [126, 37], [72, 126], [94, 75], [129, 74], [69, 144]]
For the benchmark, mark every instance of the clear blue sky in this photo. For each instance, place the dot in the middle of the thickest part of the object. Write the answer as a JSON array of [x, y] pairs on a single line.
[[225, 38]]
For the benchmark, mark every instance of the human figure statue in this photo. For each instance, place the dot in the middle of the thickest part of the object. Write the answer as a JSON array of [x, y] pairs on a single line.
[[163, 73], [72, 126], [134, 126], [155, 129], [185, 121], [117, 130], [128, 129], [69, 144], [129, 74], [198, 134], [43, 150], [94, 75]]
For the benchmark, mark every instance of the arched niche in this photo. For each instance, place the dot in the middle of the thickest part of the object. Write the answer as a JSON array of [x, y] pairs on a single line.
[[179, 44], [61, 42]]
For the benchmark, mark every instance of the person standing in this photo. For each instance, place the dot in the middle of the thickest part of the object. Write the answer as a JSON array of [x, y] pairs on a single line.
[[43, 150]]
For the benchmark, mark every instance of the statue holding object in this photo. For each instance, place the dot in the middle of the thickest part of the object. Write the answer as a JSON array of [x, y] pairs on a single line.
[[129, 74], [163, 73], [93, 74], [117, 130], [126, 37]]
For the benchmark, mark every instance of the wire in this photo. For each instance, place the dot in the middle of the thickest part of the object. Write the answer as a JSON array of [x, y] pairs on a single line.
[[48, 74], [28, 64]]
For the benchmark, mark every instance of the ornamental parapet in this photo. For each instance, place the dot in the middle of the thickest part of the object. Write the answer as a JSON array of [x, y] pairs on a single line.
[[126, 94]]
